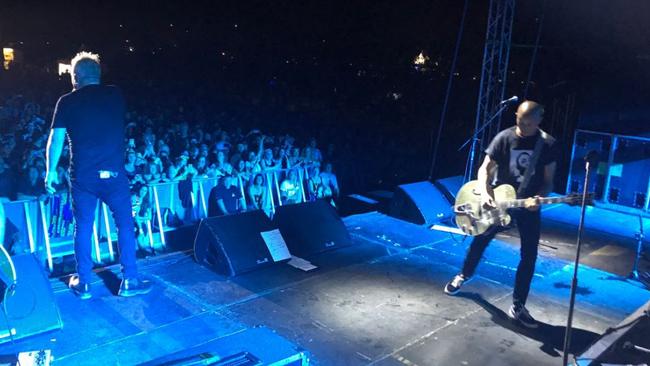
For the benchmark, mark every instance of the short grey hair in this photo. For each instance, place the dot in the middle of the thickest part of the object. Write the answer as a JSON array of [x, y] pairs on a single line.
[[86, 66]]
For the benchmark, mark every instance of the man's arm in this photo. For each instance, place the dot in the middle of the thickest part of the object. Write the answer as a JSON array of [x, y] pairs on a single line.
[[53, 154], [222, 206], [485, 176]]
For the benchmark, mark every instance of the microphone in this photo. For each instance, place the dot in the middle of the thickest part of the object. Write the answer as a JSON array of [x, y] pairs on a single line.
[[591, 157], [513, 99]]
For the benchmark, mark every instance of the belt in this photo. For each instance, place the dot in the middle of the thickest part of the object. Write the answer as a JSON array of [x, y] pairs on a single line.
[[106, 174]]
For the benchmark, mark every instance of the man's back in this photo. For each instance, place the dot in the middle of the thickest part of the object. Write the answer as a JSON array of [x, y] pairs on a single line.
[[93, 117]]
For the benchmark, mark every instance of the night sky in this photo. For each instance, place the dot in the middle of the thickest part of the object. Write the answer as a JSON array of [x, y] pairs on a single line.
[[597, 50]]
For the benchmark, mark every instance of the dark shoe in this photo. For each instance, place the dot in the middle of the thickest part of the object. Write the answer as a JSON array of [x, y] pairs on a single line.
[[521, 315], [134, 286], [453, 287], [82, 290]]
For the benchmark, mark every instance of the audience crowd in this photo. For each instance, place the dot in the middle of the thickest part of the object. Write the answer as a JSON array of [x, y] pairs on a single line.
[[162, 149]]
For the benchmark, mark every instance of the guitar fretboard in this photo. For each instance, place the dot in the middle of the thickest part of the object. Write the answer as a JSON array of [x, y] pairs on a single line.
[[523, 202]]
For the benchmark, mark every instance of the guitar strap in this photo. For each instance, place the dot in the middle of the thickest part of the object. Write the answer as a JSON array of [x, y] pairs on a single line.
[[533, 162]]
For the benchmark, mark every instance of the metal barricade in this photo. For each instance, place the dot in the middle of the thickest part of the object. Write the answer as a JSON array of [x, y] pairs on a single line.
[[46, 227]]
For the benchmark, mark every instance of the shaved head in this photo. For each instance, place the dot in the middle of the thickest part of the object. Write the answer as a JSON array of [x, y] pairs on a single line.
[[529, 117], [530, 108]]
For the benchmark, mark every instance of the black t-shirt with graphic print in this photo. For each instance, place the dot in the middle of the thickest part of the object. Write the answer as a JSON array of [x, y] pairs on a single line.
[[512, 154]]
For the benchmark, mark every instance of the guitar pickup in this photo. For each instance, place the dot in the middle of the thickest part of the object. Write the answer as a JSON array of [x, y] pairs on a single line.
[[462, 209]]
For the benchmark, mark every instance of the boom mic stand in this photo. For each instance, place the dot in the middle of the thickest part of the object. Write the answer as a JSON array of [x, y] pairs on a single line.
[[474, 140], [590, 160]]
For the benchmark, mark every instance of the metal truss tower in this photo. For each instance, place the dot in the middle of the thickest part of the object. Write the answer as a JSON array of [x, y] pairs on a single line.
[[494, 74]]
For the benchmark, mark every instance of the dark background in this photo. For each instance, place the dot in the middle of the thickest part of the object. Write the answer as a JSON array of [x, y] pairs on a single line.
[[345, 68]]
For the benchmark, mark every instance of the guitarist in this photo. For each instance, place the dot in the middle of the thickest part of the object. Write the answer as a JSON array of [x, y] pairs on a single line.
[[507, 161]]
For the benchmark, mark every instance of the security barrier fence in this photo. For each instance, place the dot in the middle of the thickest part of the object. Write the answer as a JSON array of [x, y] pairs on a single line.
[[46, 226]]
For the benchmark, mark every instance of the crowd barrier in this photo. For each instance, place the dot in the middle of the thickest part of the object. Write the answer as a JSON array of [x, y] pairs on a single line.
[[45, 227]]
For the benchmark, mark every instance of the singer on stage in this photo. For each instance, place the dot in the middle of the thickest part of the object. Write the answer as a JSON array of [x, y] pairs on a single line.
[[92, 117]]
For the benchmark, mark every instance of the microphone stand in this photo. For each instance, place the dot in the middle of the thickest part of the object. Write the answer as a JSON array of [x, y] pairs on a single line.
[[635, 274], [474, 140], [590, 160]]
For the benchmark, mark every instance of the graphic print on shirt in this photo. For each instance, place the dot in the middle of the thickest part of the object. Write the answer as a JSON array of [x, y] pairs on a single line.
[[519, 161]]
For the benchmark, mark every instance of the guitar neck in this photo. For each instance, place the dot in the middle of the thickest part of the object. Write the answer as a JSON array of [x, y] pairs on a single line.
[[523, 202]]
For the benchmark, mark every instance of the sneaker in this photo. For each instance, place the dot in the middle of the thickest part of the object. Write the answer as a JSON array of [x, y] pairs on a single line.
[[453, 287], [134, 286], [80, 289], [521, 315]]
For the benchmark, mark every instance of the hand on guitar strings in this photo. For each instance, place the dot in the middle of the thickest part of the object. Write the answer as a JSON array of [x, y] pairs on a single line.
[[487, 201]]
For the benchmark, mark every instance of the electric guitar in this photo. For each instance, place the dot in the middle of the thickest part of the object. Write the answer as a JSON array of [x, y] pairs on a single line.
[[473, 219]]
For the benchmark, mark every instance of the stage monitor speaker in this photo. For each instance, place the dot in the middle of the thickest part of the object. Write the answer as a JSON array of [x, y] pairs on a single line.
[[311, 227], [30, 306], [232, 244], [625, 344], [421, 203]]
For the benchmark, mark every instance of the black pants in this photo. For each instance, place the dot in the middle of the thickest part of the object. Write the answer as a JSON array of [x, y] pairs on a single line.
[[528, 223], [115, 193]]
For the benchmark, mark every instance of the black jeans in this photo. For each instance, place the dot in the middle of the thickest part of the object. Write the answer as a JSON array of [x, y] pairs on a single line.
[[115, 193], [529, 224]]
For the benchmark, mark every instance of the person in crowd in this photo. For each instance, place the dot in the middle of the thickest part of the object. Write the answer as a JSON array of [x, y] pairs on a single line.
[[258, 193], [269, 162], [329, 179], [291, 188], [239, 154], [295, 158], [181, 170], [241, 173], [315, 186], [194, 153], [152, 173], [311, 152], [204, 151], [223, 166], [129, 166], [225, 198], [164, 157], [201, 166], [31, 186], [92, 117], [142, 214]]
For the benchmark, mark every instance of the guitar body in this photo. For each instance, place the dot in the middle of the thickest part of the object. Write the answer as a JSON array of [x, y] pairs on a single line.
[[473, 219]]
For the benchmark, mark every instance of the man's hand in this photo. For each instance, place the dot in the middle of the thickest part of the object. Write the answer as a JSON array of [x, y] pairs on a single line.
[[487, 201], [50, 179], [532, 204]]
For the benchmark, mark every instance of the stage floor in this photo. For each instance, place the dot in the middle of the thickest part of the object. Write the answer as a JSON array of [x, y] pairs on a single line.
[[379, 302]]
